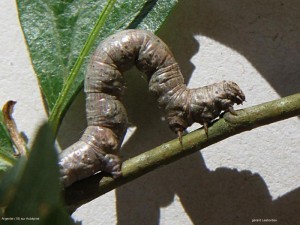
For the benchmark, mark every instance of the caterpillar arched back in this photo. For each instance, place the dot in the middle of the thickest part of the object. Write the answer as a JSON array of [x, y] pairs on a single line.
[[98, 148]]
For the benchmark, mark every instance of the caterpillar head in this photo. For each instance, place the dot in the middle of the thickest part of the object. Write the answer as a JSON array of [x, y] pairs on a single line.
[[232, 94], [202, 105], [208, 102]]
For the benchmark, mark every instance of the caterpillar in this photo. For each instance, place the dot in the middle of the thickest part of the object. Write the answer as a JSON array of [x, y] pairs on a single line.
[[98, 148]]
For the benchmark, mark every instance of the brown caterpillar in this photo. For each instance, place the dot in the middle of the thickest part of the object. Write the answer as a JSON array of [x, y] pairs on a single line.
[[98, 148]]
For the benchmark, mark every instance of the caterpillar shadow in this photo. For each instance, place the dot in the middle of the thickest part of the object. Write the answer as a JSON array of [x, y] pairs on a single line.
[[223, 196]]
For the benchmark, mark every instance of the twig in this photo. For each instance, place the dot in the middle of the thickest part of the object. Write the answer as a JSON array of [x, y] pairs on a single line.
[[246, 119], [17, 139]]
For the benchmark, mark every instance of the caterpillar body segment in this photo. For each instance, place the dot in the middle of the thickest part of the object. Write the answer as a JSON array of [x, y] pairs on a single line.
[[98, 148]]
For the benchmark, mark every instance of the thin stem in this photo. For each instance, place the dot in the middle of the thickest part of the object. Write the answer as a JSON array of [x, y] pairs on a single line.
[[58, 110], [16, 137], [246, 119]]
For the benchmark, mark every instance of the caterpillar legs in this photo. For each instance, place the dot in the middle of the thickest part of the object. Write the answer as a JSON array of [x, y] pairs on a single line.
[[112, 165]]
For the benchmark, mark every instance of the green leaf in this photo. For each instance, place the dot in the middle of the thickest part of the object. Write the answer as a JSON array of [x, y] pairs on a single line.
[[60, 34], [10, 181], [34, 189], [7, 158]]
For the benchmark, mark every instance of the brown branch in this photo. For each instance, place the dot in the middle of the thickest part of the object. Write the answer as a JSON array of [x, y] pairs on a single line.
[[246, 119], [16, 137]]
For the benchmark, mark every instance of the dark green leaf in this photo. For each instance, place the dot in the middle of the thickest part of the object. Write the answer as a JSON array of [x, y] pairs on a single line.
[[35, 192], [7, 158], [56, 32], [10, 181]]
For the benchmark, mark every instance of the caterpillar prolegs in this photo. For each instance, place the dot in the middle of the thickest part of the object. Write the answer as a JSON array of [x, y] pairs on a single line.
[[98, 148]]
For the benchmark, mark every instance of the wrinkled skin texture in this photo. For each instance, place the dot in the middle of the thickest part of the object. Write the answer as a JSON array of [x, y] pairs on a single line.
[[98, 148]]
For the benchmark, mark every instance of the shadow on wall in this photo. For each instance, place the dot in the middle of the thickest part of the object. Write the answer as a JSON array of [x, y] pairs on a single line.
[[266, 33], [223, 196]]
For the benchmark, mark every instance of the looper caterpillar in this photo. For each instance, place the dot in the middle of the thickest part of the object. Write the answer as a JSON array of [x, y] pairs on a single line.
[[98, 148]]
